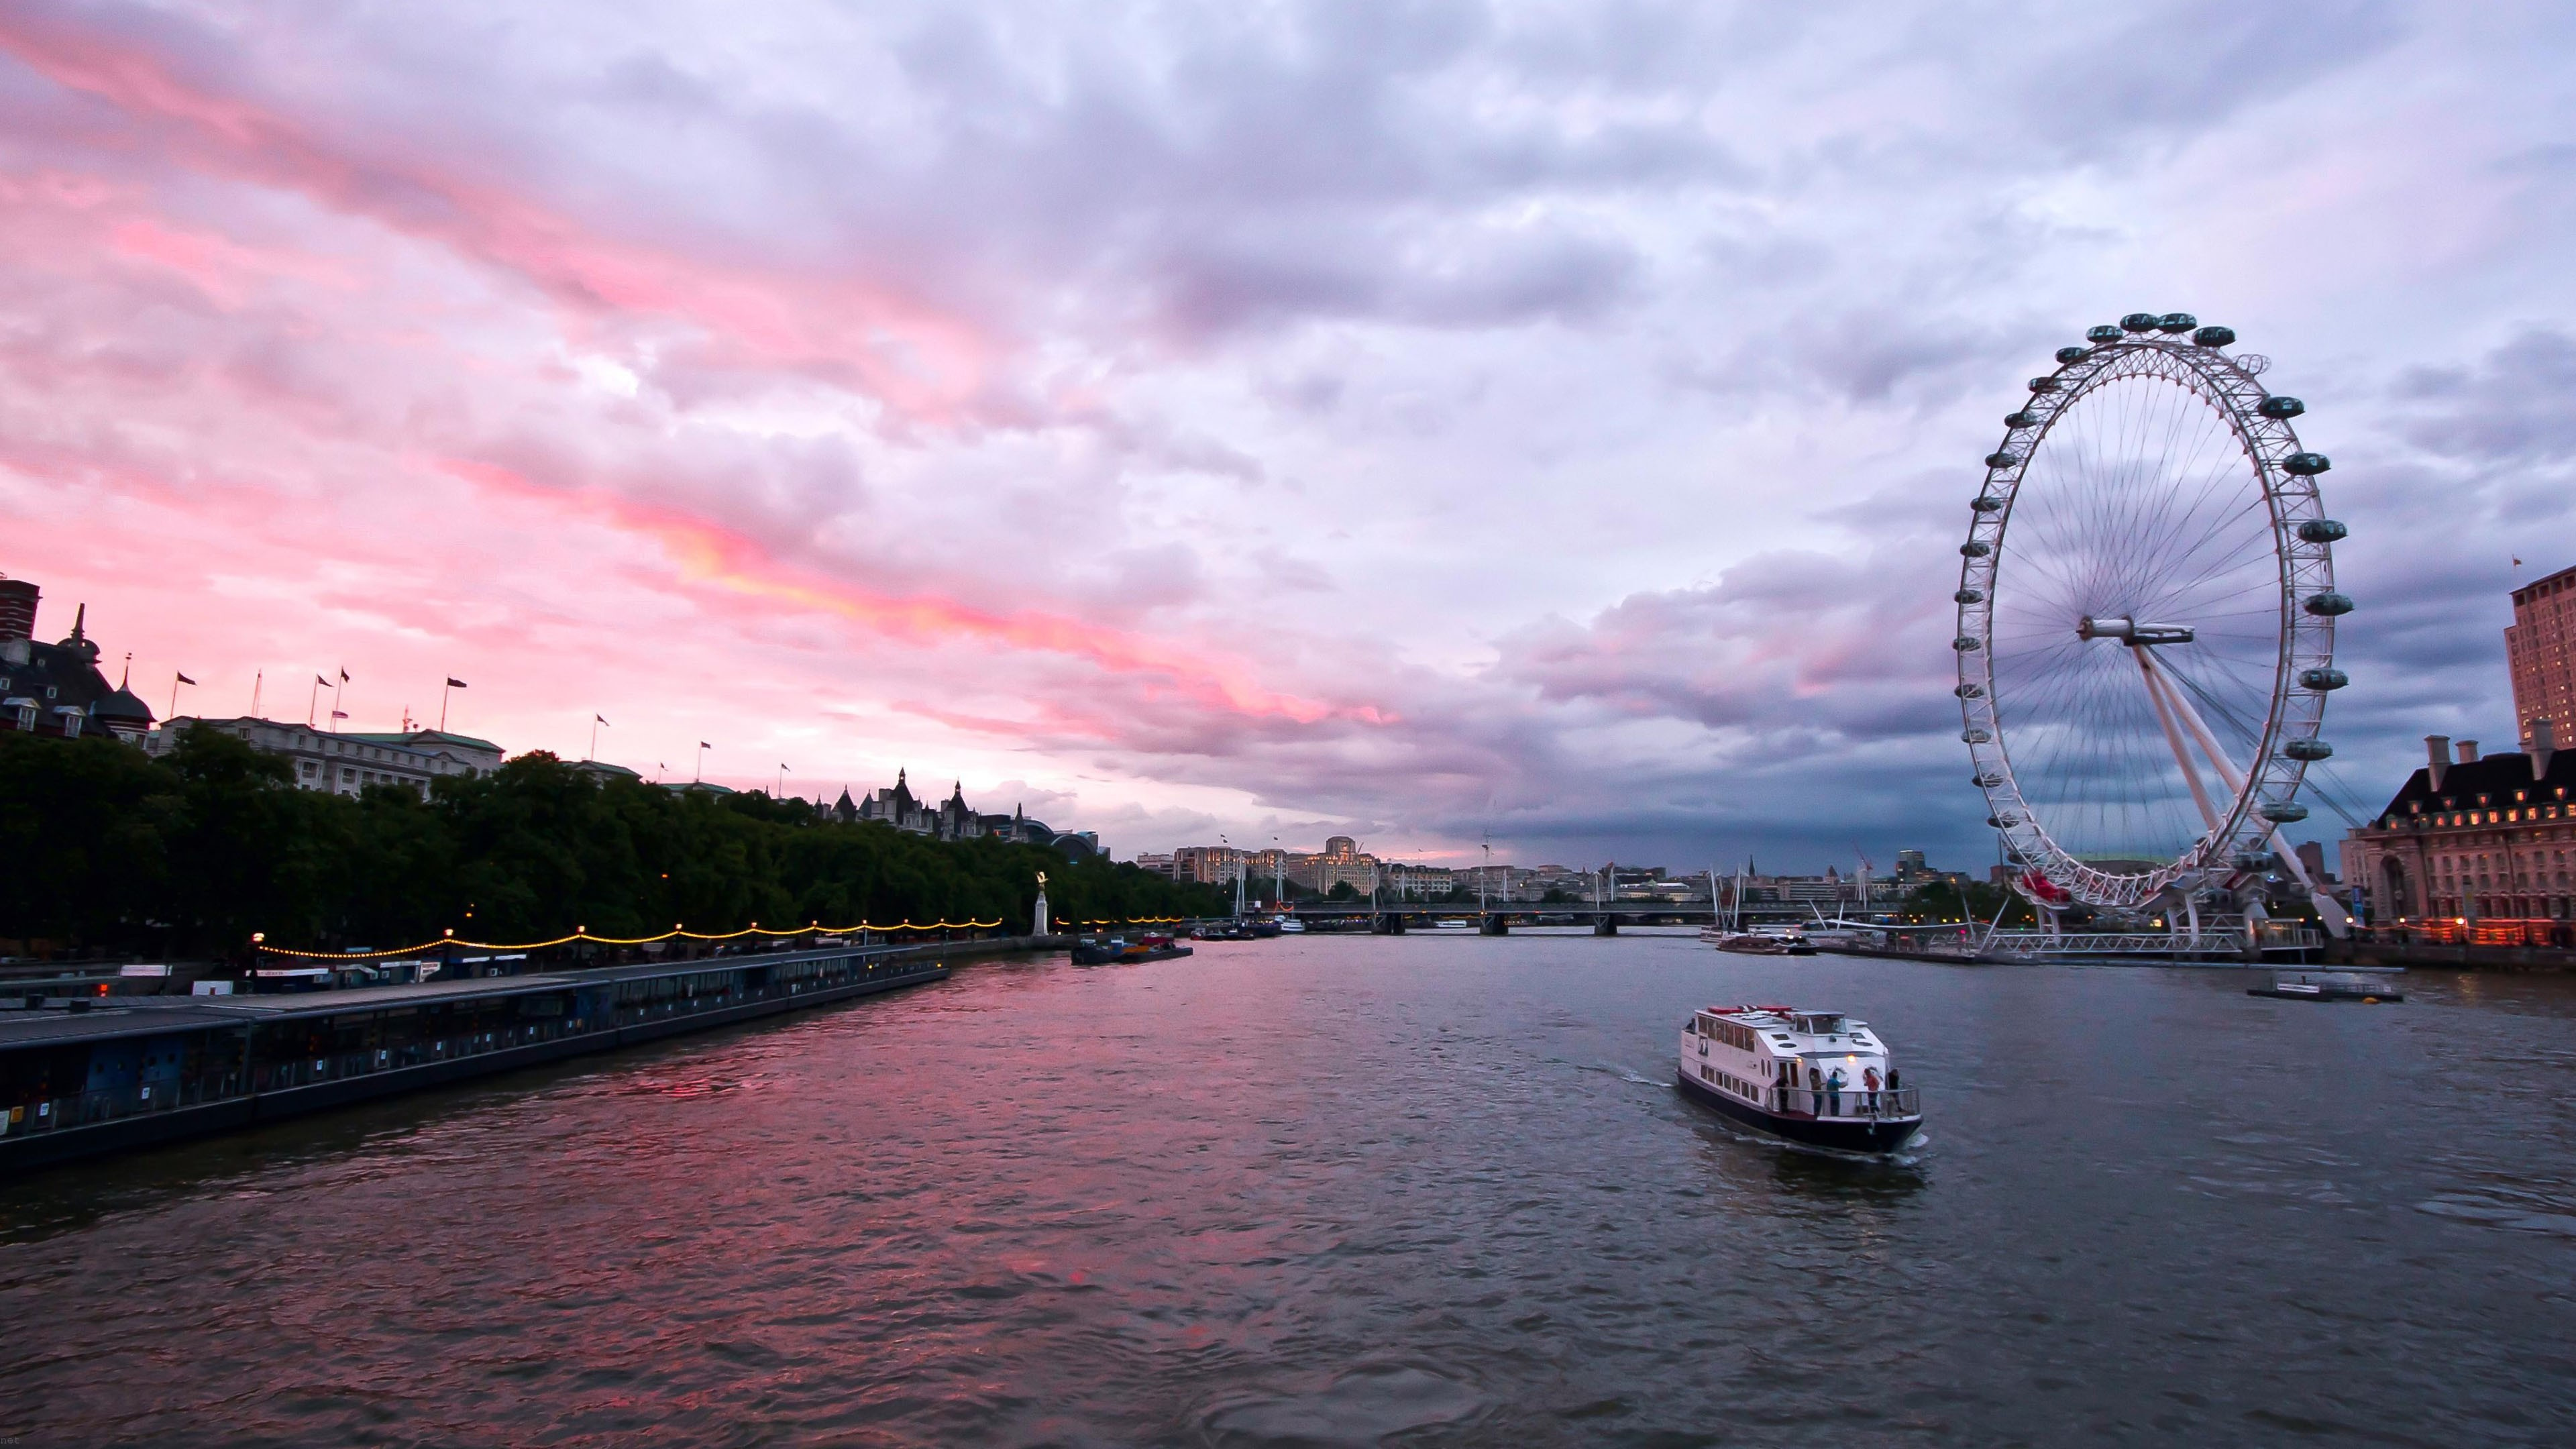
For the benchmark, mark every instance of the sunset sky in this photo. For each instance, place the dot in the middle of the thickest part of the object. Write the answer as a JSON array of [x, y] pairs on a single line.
[[1415, 421]]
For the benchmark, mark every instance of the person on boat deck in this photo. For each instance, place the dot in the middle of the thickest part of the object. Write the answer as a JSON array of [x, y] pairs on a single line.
[[1834, 1091], [1816, 1089], [1869, 1087]]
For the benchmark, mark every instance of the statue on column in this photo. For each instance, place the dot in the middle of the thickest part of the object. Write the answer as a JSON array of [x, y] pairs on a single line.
[[1038, 922]]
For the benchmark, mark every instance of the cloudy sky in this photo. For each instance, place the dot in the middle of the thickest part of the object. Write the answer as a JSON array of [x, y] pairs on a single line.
[[1424, 421]]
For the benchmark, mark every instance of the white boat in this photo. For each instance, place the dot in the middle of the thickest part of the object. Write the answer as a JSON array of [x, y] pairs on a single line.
[[1810, 1076], [1758, 943], [1290, 925], [1452, 924]]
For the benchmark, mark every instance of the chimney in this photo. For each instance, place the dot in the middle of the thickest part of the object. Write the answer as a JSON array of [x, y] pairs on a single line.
[[2544, 743], [2437, 748], [2468, 752], [17, 609]]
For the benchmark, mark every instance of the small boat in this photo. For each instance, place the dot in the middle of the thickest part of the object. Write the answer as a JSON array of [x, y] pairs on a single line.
[[1758, 943], [2330, 986], [1814, 1077], [1452, 923], [1119, 951], [1291, 925]]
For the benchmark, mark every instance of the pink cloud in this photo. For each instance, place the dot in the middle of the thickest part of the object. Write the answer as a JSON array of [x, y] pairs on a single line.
[[923, 361], [710, 553]]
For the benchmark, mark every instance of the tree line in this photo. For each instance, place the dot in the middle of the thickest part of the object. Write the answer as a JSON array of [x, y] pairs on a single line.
[[109, 850]]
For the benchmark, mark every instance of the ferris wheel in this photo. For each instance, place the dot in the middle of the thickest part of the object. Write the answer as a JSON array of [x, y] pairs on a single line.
[[2146, 622]]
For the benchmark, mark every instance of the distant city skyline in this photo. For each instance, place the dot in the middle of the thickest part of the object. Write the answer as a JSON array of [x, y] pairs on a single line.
[[1195, 424]]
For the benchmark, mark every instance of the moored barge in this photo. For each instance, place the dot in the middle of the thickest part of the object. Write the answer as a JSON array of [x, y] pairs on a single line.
[[116, 1072]]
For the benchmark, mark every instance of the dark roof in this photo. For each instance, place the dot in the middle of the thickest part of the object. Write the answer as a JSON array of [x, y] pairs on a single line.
[[71, 673], [2496, 777], [607, 771], [122, 705]]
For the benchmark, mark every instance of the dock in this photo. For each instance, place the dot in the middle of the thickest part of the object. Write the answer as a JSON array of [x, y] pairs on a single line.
[[115, 1073]]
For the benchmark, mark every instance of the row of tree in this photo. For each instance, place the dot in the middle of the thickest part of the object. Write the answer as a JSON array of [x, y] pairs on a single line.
[[108, 849]]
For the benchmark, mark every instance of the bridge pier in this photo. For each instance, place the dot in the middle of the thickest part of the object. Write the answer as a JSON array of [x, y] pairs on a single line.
[[1493, 926], [1389, 924], [1605, 924]]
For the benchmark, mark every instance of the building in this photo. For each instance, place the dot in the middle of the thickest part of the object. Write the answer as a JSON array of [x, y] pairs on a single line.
[[17, 608], [2471, 838], [342, 764], [1207, 864], [954, 819], [58, 689], [1339, 863], [1911, 869], [1156, 863], [1417, 882], [2540, 648], [471, 756]]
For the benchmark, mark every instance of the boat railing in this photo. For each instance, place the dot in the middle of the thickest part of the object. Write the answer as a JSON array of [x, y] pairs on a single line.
[[1850, 1104]]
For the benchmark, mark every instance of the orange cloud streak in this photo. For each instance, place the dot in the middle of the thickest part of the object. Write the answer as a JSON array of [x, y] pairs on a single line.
[[709, 553]]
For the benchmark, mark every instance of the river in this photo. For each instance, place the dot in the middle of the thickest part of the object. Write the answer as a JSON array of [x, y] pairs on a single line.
[[1345, 1190]]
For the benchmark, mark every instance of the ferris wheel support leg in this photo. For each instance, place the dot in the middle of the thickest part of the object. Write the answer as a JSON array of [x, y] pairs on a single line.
[[2338, 921], [2156, 695]]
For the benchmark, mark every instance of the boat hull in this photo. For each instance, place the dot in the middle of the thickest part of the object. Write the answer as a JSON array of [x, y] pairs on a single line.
[[1841, 1135], [2331, 993]]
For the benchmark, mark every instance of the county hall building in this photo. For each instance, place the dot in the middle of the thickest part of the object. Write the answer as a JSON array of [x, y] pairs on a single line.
[[2481, 844]]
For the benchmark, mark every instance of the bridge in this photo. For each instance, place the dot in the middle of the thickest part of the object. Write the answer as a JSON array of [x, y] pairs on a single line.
[[1495, 918]]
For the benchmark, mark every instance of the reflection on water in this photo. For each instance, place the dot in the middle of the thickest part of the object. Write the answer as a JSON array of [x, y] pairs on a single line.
[[1357, 1190]]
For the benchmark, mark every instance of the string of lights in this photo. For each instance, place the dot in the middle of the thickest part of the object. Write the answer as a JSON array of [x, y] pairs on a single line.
[[675, 933], [583, 935]]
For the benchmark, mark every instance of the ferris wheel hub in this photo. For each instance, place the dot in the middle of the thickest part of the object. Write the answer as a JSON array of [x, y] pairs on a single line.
[[2130, 632]]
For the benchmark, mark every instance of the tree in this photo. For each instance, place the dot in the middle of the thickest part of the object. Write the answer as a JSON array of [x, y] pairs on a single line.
[[196, 851]]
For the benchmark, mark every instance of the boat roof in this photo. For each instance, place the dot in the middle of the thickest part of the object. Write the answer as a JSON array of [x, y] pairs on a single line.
[[1802, 1021]]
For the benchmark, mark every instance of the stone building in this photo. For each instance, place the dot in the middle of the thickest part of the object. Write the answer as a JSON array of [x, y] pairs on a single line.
[[58, 689], [2471, 838], [346, 764], [954, 819]]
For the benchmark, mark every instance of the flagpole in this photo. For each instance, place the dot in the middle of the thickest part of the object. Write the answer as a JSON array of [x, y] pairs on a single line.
[[255, 681], [443, 691], [336, 712], [594, 738], [314, 702]]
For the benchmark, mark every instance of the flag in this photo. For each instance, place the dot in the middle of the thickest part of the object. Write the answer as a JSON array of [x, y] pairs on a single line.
[[600, 720], [456, 684], [318, 679], [702, 744], [339, 714], [183, 679], [344, 676]]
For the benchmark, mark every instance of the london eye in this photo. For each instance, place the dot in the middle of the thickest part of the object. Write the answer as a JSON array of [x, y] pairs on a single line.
[[2146, 619]]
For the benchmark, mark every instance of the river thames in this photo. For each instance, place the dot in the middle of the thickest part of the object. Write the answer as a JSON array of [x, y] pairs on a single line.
[[1351, 1190]]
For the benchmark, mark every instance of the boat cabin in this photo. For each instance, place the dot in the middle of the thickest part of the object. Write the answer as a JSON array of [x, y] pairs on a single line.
[[1784, 1060]]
